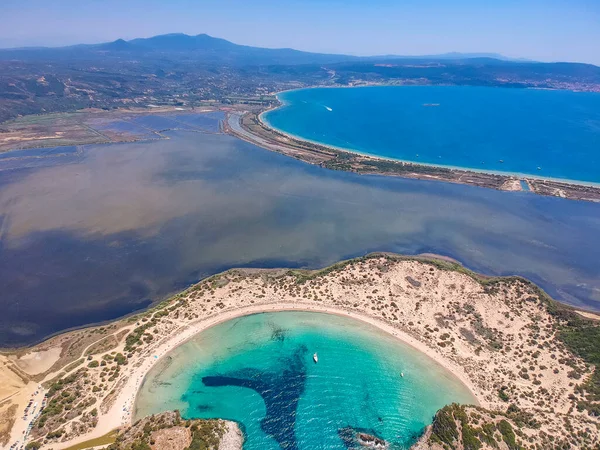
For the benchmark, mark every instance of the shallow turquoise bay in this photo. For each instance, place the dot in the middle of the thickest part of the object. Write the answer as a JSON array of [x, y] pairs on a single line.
[[259, 371], [481, 128]]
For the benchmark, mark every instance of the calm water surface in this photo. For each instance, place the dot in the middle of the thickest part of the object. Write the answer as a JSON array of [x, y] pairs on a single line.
[[538, 132], [92, 235], [258, 370]]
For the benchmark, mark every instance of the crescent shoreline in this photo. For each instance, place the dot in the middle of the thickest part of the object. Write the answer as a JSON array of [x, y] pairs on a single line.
[[253, 127], [426, 289]]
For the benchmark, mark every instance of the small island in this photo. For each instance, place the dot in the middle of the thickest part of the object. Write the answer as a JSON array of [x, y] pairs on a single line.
[[530, 362]]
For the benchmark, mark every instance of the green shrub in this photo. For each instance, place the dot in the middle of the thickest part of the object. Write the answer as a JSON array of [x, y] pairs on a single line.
[[444, 426], [469, 438], [508, 435]]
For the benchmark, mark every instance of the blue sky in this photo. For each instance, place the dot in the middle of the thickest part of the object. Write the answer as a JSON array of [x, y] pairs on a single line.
[[546, 30]]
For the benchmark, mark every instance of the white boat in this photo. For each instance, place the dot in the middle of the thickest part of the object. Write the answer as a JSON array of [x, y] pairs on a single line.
[[315, 358], [402, 374]]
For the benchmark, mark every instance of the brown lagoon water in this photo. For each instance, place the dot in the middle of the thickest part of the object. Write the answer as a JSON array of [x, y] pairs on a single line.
[[91, 235]]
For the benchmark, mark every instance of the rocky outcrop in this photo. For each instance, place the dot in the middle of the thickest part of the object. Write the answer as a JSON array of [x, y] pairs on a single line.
[[460, 427], [370, 441], [360, 439], [233, 439], [168, 431]]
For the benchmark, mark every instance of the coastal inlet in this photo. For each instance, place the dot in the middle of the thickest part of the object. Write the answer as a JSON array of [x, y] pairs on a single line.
[[259, 371]]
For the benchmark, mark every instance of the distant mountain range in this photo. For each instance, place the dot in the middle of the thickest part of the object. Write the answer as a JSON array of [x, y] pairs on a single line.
[[216, 50], [182, 70], [176, 46]]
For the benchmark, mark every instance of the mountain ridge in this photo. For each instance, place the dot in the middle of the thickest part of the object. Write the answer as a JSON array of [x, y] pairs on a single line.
[[205, 42]]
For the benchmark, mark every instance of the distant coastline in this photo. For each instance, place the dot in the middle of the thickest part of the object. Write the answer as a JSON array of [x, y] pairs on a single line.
[[256, 128], [262, 116], [519, 175]]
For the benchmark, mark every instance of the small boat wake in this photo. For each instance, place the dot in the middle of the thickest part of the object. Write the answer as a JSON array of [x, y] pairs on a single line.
[[327, 108]]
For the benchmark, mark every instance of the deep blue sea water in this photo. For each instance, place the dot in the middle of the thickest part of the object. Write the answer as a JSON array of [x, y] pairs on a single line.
[[258, 370], [482, 128]]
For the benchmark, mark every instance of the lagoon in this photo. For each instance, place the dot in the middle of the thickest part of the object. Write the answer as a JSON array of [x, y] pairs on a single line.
[[93, 235]]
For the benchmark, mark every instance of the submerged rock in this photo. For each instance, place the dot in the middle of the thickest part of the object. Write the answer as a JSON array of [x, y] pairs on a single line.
[[370, 441], [357, 439]]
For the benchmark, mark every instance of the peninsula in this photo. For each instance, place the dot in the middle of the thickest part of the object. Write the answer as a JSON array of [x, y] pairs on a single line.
[[249, 127], [530, 362]]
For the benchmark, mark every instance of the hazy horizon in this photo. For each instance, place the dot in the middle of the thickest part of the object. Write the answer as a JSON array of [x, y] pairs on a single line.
[[273, 47], [552, 30]]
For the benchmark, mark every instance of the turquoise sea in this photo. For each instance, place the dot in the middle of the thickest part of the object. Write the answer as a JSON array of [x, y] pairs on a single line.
[[545, 133], [259, 371]]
